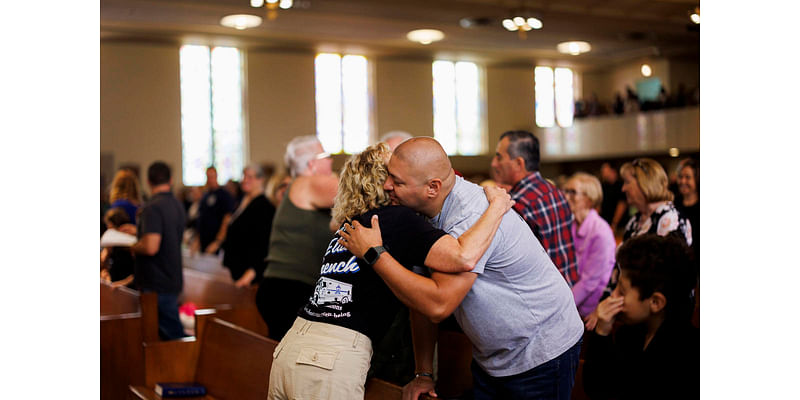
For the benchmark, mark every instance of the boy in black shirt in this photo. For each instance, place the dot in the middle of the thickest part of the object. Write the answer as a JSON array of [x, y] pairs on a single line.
[[655, 354]]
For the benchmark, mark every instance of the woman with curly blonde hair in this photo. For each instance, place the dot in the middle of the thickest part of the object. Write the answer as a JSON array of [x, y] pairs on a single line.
[[124, 193], [327, 352]]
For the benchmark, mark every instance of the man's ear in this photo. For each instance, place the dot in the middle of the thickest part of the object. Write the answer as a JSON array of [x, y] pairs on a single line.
[[657, 302], [519, 162], [433, 187]]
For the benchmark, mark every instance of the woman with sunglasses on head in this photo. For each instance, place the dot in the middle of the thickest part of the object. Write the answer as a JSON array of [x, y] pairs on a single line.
[[645, 187]]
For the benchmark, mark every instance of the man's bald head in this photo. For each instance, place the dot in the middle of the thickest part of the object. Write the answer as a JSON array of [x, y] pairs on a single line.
[[424, 158]]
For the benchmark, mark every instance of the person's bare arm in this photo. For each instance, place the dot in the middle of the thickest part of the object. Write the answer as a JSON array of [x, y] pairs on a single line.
[[128, 228], [323, 190], [435, 297], [447, 254], [423, 334], [122, 282], [147, 245], [246, 278], [221, 235]]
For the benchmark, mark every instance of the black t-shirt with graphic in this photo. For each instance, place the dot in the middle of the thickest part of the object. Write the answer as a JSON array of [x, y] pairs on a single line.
[[350, 293]]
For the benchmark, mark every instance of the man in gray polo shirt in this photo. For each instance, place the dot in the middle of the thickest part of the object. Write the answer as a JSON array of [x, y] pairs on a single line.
[[514, 306]]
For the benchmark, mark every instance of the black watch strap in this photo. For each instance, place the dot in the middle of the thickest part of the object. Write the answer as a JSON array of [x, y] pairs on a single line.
[[372, 255]]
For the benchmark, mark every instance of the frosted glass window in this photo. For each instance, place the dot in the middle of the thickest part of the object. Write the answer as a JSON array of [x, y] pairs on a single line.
[[565, 107], [457, 111], [543, 85], [355, 100], [211, 113], [554, 96], [342, 99]]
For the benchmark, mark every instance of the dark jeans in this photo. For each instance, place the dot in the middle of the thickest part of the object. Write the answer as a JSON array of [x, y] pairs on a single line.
[[169, 324], [278, 301], [551, 380]]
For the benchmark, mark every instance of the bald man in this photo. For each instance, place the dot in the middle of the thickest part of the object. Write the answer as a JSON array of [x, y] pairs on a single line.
[[514, 306]]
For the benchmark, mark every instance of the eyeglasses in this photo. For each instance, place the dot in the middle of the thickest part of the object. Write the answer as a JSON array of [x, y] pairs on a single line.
[[322, 156]]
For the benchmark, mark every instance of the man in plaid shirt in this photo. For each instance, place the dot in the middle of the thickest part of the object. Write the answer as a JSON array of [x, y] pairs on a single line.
[[539, 202]]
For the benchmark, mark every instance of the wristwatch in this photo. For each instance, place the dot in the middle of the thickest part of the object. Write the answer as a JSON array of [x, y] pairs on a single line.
[[372, 255]]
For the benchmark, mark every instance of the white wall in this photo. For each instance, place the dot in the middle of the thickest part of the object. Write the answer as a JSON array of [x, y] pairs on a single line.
[[140, 116], [280, 97]]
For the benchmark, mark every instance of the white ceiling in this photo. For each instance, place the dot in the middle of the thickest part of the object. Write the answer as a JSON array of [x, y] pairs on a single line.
[[619, 30]]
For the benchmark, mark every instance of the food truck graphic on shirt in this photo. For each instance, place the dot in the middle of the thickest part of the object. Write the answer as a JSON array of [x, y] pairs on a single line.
[[331, 291]]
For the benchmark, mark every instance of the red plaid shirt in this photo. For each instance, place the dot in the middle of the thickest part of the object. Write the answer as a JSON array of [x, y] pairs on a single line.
[[546, 211]]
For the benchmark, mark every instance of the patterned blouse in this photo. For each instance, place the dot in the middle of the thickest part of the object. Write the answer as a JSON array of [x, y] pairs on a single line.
[[665, 220]]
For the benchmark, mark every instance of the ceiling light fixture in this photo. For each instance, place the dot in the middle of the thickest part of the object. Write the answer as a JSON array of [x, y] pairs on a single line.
[[521, 24], [695, 15], [272, 6], [240, 21], [574, 48], [646, 70], [425, 36]]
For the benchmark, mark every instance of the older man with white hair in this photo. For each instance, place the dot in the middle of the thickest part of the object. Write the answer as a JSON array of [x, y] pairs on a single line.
[[300, 234], [394, 138]]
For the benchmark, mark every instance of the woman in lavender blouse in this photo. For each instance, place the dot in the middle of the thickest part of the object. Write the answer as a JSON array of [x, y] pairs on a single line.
[[594, 241]]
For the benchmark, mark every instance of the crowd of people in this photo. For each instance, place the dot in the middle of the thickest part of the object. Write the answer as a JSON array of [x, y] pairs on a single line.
[[631, 103], [399, 241]]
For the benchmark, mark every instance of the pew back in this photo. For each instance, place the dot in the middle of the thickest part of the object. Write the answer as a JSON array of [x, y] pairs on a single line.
[[121, 358], [236, 305], [230, 361], [119, 301]]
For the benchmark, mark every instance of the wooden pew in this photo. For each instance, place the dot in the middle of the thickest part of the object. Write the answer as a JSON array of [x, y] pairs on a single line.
[[121, 356], [236, 305], [128, 319], [209, 264], [454, 351], [230, 361]]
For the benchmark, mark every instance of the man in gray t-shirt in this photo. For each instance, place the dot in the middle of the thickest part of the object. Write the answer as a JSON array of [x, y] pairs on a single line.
[[514, 306]]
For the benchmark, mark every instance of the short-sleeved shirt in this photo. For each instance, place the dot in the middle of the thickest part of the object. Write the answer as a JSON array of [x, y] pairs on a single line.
[[213, 207], [546, 211], [350, 293], [519, 313], [162, 272]]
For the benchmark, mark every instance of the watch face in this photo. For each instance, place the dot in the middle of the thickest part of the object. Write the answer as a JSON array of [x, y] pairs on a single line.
[[371, 256]]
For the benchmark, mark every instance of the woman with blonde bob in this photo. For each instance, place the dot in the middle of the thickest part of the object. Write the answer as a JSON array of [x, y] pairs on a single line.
[[645, 187], [593, 238], [326, 353]]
